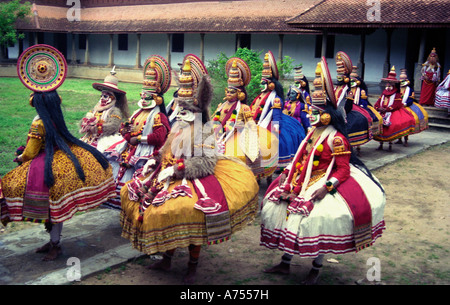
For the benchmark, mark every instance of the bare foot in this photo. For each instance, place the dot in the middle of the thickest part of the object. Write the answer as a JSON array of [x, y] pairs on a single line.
[[44, 249], [312, 278], [281, 268], [53, 253], [163, 264], [189, 278]]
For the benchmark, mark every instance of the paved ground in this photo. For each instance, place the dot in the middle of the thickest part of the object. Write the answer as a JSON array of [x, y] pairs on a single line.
[[93, 238]]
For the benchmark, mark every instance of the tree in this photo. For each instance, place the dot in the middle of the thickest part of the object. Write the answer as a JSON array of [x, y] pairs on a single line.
[[216, 69], [10, 12]]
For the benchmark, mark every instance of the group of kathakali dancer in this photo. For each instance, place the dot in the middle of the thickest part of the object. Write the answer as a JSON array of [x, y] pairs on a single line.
[[184, 177]]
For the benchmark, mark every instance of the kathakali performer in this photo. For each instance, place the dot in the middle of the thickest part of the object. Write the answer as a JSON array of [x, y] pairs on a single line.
[[100, 126], [59, 175], [397, 121], [431, 76], [146, 130], [188, 195], [267, 111], [409, 102], [236, 132], [326, 201]]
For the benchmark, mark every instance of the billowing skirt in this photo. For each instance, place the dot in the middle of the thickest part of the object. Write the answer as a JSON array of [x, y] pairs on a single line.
[[291, 135], [420, 117], [259, 143], [359, 125], [402, 123], [178, 223], [28, 198], [330, 226]]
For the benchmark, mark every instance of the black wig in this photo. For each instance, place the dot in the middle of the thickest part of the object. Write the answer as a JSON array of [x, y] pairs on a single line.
[[48, 107]]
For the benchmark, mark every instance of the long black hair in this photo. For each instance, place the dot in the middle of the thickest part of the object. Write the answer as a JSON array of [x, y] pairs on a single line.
[[57, 136], [338, 122]]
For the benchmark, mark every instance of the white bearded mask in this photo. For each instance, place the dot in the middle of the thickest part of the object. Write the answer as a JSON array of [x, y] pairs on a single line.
[[107, 100], [185, 115]]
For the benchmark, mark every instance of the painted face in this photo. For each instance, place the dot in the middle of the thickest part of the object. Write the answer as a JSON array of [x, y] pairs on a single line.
[[264, 85], [389, 87], [185, 115], [404, 83], [231, 94], [107, 99], [292, 94], [146, 99], [314, 117]]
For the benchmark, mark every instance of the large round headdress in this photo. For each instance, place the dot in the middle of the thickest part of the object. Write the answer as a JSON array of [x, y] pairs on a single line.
[[270, 68], [344, 64], [42, 68], [157, 75], [238, 72]]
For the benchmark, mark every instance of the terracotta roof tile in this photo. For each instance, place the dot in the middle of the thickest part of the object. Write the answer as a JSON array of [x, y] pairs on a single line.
[[353, 13], [212, 16]]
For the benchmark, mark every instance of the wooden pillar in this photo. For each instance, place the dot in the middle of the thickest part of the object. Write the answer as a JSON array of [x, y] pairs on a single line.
[[111, 50], [138, 51], [387, 61], [324, 43], [169, 48], [420, 61], [238, 41], [202, 47], [86, 52], [362, 50], [280, 47], [74, 51]]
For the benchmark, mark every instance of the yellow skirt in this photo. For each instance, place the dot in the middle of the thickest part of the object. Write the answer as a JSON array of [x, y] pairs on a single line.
[[267, 161], [176, 223], [68, 195]]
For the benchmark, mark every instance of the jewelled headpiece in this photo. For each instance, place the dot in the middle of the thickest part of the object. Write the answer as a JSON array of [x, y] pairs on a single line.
[[157, 75], [42, 68], [238, 72], [270, 68]]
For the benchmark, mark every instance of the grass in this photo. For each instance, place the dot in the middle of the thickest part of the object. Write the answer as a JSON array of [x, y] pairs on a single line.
[[78, 97]]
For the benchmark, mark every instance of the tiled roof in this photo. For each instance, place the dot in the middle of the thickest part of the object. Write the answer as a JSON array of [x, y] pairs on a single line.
[[213, 16], [354, 13]]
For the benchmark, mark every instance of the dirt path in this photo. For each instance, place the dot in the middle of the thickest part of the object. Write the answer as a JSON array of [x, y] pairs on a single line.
[[413, 250]]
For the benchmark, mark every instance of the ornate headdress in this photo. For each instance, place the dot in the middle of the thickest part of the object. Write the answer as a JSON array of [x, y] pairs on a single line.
[[344, 64], [238, 72], [323, 86], [270, 68], [195, 90], [404, 81], [110, 83], [392, 76], [157, 75], [42, 68]]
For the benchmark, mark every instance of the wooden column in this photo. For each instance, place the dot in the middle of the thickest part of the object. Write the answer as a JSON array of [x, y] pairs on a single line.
[[74, 51], [202, 47], [387, 61], [138, 51], [324, 43], [169, 47], [111, 50], [362, 50], [86, 52], [420, 61], [280, 47]]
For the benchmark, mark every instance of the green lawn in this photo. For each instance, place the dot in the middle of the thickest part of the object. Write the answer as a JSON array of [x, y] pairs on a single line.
[[78, 97]]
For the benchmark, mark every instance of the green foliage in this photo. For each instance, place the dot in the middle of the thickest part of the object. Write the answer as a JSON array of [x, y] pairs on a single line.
[[16, 114], [10, 12], [216, 68]]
